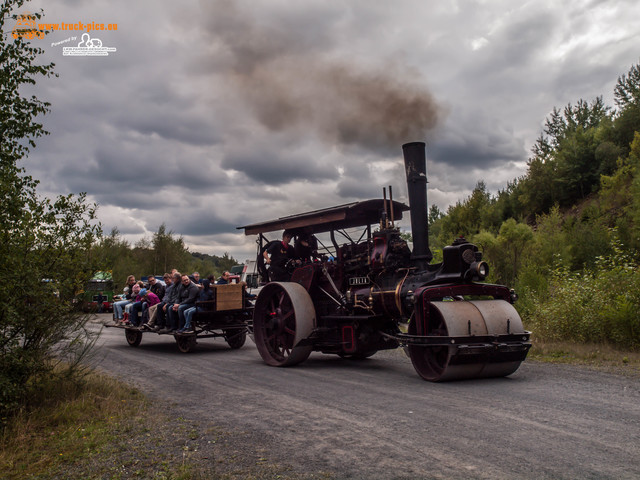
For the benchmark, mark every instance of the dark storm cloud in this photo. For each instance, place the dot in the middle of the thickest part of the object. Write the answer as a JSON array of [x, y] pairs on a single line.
[[184, 126], [482, 149], [522, 39], [199, 221], [293, 86], [127, 174], [354, 188], [575, 76], [274, 168]]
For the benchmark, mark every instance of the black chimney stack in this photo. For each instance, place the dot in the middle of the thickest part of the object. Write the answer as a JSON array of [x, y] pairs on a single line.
[[415, 164]]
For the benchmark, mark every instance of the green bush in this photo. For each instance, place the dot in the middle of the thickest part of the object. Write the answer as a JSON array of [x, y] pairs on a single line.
[[597, 305], [44, 243]]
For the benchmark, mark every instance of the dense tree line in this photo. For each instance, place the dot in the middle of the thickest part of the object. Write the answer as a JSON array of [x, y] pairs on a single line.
[[155, 256], [572, 220]]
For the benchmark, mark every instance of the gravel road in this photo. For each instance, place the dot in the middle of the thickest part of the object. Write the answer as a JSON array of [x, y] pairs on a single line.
[[376, 419]]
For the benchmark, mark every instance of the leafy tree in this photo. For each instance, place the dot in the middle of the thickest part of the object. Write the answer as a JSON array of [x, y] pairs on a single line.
[[466, 218], [161, 253], [44, 244], [507, 204], [434, 214], [168, 252], [577, 169], [490, 247], [627, 91], [627, 98], [504, 252], [514, 238], [560, 123], [606, 156], [634, 162], [115, 252], [565, 166], [550, 244], [588, 239], [539, 190]]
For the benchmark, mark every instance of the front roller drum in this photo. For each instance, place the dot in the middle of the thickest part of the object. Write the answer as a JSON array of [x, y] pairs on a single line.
[[470, 359], [283, 317]]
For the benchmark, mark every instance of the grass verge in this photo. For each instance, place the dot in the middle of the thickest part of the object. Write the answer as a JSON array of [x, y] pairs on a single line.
[[97, 428], [602, 356]]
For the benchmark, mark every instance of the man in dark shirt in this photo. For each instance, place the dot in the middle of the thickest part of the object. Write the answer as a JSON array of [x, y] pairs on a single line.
[[156, 287], [277, 256], [306, 247], [170, 297], [187, 296], [224, 279], [100, 302]]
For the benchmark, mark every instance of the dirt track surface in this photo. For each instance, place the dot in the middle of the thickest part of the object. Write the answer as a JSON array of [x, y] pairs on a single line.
[[376, 419]]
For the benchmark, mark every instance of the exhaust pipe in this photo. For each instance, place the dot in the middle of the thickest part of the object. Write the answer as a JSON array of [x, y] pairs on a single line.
[[415, 164]]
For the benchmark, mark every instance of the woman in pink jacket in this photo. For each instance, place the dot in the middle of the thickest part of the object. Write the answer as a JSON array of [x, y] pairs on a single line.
[[144, 300]]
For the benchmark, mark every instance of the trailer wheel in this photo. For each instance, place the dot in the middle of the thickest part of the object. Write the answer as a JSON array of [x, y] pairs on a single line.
[[186, 343], [235, 338], [284, 316], [134, 337]]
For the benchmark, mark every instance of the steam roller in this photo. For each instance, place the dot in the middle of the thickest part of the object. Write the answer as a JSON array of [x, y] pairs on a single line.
[[355, 297], [468, 339]]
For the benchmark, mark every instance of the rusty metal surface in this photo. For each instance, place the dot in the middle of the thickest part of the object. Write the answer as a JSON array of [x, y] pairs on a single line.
[[461, 318], [499, 316]]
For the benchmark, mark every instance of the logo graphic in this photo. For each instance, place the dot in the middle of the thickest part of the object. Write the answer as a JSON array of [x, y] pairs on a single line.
[[26, 27], [88, 47]]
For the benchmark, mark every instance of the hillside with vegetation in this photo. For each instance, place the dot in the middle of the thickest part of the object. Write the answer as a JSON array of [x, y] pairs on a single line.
[[566, 235]]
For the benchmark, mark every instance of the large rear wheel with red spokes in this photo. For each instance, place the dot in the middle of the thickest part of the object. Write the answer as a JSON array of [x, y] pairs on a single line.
[[284, 317]]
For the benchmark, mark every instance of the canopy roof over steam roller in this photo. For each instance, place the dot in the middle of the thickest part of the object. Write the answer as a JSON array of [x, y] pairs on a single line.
[[349, 215]]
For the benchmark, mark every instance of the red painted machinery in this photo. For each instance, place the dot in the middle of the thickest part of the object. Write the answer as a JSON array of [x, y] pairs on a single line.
[[354, 302]]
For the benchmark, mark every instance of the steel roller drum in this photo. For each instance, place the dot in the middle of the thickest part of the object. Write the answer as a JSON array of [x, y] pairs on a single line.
[[472, 358]]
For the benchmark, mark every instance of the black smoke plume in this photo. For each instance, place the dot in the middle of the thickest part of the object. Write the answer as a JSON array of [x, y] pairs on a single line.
[[292, 83]]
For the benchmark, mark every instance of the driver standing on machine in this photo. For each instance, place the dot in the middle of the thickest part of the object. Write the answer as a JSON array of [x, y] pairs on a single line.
[[277, 256], [306, 246]]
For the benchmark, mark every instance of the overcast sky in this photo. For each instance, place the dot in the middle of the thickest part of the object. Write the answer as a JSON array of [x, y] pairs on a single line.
[[215, 114]]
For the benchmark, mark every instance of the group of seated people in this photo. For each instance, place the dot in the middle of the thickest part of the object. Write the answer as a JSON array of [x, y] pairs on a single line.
[[167, 308]]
